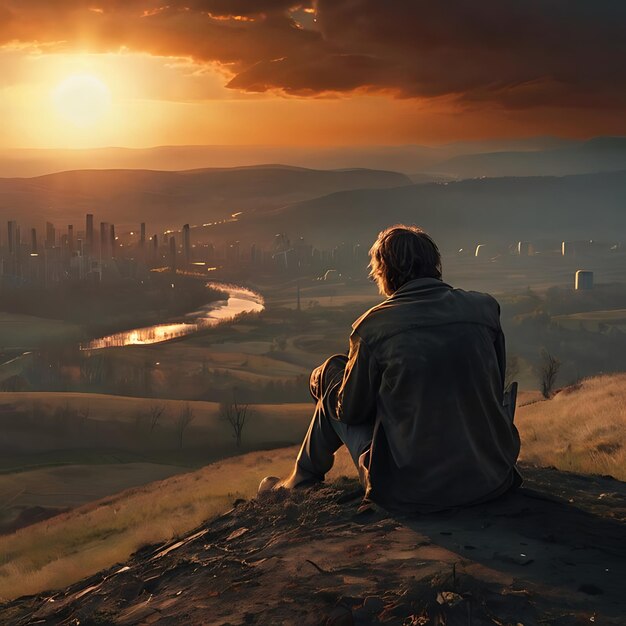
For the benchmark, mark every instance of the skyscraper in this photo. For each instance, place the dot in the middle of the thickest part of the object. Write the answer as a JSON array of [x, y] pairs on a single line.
[[112, 241], [173, 253], [12, 236], [89, 233], [186, 244], [104, 239], [33, 241], [51, 235]]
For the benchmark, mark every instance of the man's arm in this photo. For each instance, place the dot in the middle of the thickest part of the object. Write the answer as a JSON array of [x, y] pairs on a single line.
[[356, 400], [501, 354]]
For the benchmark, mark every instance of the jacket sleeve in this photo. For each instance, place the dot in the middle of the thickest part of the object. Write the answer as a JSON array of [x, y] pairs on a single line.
[[357, 396], [500, 347]]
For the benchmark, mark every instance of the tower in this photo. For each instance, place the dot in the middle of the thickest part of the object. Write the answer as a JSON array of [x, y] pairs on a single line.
[[89, 232], [186, 245], [173, 253]]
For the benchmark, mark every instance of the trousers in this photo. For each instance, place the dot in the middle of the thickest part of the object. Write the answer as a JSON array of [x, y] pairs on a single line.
[[326, 434]]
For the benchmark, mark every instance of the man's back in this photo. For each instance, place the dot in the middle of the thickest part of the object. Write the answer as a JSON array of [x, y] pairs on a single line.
[[418, 401], [434, 361]]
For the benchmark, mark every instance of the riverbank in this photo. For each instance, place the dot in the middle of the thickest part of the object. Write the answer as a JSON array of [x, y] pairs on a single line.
[[237, 301]]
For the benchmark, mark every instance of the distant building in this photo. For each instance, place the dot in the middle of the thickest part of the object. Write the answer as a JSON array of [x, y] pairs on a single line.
[[50, 235], [89, 232], [12, 236], [186, 244], [584, 280], [112, 240], [525, 248], [173, 253], [104, 239], [33, 241]]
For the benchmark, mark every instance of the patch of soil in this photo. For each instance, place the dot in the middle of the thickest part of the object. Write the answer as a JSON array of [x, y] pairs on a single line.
[[554, 552]]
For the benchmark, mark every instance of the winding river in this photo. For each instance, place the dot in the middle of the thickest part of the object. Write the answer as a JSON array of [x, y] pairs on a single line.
[[240, 300]]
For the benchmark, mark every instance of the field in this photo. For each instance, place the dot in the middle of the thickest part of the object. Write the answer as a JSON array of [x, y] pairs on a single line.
[[26, 331], [52, 553], [594, 321], [62, 450]]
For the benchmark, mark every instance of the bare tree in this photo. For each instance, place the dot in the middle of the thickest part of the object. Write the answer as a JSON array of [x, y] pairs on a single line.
[[235, 414], [155, 412], [185, 417], [548, 371]]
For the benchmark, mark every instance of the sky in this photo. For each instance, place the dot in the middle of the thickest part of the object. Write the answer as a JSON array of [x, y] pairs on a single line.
[[139, 73]]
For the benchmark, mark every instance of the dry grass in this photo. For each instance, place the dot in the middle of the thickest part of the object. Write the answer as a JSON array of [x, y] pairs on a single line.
[[582, 429], [59, 551]]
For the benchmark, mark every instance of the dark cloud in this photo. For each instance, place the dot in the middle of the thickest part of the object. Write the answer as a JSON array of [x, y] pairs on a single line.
[[516, 53]]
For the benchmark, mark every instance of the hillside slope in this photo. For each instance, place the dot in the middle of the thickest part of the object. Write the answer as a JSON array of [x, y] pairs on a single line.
[[581, 429], [314, 557], [78, 543]]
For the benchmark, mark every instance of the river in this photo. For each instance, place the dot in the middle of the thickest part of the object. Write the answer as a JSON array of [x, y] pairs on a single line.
[[240, 300]]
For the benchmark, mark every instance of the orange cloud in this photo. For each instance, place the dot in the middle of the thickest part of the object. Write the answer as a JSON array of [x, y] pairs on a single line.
[[521, 55]]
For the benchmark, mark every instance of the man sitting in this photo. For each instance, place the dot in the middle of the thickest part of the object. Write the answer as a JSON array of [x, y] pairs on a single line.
[[419, 400]]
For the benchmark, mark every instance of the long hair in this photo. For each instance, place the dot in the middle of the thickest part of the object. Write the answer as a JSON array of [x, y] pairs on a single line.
[[402, 253]]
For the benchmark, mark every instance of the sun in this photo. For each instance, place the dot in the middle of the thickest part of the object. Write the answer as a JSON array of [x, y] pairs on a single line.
[[82, 99]]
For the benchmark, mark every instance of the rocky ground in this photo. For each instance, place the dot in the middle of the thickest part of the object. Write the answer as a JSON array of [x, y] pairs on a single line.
[[553, 553]]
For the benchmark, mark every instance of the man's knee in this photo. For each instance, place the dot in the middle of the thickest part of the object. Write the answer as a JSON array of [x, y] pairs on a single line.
[[328, 373]]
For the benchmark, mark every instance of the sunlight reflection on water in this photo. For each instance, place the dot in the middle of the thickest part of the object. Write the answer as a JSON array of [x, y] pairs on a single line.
[[240, 300]]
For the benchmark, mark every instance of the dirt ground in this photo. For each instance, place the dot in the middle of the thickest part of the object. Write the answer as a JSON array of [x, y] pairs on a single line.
[[551, 553]]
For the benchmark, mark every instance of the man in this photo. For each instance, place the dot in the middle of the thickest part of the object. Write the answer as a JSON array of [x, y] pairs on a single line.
[[419, 400]]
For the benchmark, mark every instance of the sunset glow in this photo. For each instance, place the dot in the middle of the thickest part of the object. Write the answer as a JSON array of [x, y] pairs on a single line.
[[82, 100], [141, 74]]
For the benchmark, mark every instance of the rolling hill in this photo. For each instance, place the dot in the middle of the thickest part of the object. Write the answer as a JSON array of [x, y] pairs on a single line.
[[402, 158], [498, 210], [580, 429], [167, 199]]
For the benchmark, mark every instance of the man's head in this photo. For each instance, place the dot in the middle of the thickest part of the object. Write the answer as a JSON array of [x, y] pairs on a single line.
[[402, 253]]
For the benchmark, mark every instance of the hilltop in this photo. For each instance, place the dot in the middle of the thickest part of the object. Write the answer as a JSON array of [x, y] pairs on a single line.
[[553, 553], [580, 429]]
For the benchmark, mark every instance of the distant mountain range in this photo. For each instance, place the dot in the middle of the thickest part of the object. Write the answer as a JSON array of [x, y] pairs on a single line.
[[408, 159], [326, 206], [168, 199], [602, 154], [500, 210]]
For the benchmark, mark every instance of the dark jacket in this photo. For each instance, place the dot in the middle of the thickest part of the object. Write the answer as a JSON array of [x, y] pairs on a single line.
[[427, 367]]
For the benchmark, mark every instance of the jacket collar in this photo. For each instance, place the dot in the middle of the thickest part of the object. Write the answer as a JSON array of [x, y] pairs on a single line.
[[420, 284]]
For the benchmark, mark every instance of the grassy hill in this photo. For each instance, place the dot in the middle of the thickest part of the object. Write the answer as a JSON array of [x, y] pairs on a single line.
[[580, 429]]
